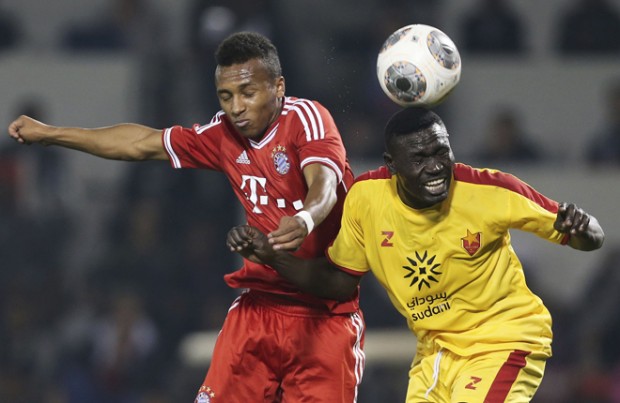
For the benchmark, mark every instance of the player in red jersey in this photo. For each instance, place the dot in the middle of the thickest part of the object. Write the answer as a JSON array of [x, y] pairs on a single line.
[[286, 162]]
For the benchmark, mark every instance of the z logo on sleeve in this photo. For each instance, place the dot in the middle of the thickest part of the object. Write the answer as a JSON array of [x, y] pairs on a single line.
[[388, 235], [474, 380]]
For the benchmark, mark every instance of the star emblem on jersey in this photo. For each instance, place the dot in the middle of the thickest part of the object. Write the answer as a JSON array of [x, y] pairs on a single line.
[[422, 270], [280, 160], [472, 242], [205, 394]]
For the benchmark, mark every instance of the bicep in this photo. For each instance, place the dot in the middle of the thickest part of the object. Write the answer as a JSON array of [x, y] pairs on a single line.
[[150, 144], [319, 174]]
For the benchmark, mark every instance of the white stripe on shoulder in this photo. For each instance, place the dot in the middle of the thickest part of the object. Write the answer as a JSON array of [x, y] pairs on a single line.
[[310, 118], [319, 118], [324, 161], [287, 105], [174, 158], [216, 120]]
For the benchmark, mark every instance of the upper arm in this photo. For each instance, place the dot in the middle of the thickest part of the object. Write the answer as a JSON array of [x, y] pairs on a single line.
[[321, 175], [150, 144]]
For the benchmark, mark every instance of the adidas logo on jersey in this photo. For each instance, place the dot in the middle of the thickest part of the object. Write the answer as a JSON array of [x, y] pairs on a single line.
[[243, 158]]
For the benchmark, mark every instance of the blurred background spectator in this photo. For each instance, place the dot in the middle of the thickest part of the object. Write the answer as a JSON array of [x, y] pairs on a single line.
[[107, 269], [589, 27], [493, 27], [604, 148], [506, 142], [138, 28], [597, 377], [9, 29]]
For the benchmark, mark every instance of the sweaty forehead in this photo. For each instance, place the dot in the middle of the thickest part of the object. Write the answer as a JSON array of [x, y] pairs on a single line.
[[234, 73], [432, 134], [252, 70]]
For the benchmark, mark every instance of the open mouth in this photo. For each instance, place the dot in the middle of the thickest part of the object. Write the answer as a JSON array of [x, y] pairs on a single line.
[[436, 186]]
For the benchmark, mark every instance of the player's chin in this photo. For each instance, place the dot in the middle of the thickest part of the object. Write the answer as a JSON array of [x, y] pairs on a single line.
[[435, 198]]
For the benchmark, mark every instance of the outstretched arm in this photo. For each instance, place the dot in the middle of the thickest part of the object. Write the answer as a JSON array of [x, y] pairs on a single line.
[[314, 276], [322, 195], [584, 230], [131, 142]]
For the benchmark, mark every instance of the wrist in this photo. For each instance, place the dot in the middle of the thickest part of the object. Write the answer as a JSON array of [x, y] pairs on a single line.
[[307, 218]]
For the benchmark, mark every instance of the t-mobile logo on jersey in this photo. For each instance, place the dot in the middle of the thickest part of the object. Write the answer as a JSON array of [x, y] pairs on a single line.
[[255, 190], [250, 186]]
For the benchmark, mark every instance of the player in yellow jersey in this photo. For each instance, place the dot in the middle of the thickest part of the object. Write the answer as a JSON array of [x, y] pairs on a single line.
[[436, 235]]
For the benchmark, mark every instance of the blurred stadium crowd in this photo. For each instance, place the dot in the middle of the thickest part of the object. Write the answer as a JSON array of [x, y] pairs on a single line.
[[106, 327]]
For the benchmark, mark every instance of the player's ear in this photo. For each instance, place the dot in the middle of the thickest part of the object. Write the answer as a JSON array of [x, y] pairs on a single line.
[[280, 87], [389, 162]]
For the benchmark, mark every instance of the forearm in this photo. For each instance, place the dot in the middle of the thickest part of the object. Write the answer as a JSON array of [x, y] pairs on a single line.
[[126, 141], [321, 198], [315, 276]]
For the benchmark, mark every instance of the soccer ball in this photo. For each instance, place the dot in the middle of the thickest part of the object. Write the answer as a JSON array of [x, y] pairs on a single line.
[[418, 65]]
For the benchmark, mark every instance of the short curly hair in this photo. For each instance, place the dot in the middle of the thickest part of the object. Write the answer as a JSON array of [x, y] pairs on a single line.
[[243, 46], [410, 120]]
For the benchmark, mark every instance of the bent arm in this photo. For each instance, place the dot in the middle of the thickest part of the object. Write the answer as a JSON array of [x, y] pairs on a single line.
[[322, 191], [127, 141], [314, 276], [322, 195]]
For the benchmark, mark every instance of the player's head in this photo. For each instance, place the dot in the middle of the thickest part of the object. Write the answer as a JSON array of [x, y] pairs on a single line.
[[418, 152], [249, 82], [241, 47]]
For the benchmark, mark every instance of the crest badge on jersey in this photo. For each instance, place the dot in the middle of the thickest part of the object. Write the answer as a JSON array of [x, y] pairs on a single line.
[[472, 242], [280, 160], [205, 395]]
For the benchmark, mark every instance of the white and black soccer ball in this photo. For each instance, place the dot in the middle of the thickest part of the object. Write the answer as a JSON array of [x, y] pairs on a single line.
[[418, 65]]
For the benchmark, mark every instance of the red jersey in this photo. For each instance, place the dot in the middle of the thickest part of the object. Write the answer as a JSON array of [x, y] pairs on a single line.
[[267, 177]]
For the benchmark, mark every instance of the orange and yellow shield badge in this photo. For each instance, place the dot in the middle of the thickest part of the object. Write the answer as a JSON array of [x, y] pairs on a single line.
[[471, 243]]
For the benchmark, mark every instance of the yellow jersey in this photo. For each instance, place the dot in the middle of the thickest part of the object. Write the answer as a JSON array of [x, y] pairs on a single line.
[[450, 269]]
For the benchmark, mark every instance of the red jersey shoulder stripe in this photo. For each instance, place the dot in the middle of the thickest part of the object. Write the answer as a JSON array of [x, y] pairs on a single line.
[[465, 173], [380, 173]]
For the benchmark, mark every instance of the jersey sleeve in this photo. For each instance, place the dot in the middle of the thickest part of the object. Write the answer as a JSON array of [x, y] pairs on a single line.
[[196, 147], [533, 212], [318, 138], [519, 205], [347, 252]]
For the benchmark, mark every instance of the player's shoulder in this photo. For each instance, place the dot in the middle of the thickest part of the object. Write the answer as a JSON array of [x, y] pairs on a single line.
[[484, 176], [303, 106], [216, 123], [370, 183], [488, 181], [381, 173]]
